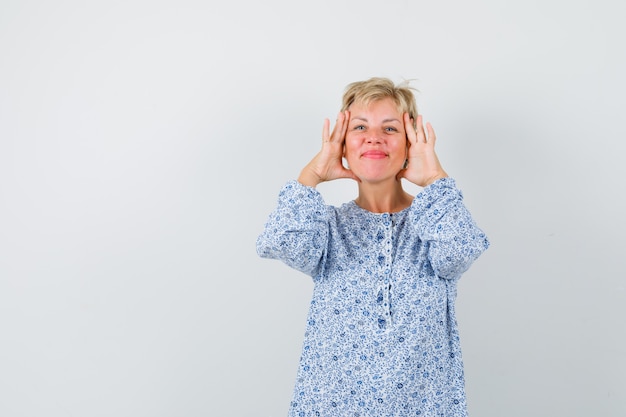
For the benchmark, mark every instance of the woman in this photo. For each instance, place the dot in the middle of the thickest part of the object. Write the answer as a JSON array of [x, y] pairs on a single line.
[[381, 336]]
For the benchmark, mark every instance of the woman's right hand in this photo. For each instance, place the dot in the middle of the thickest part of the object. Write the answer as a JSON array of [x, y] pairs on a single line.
[[327, 164]]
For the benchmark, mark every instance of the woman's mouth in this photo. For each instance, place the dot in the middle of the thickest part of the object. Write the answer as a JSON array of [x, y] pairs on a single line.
[[374, 155]]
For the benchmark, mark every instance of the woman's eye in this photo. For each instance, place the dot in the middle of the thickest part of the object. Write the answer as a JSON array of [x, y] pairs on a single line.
[[359, 127], [391, 129]]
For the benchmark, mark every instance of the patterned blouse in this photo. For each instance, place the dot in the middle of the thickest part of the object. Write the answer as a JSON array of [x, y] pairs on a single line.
[[381, 338]]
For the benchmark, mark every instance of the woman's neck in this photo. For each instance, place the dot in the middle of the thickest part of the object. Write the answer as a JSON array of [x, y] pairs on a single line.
[[383, 198]]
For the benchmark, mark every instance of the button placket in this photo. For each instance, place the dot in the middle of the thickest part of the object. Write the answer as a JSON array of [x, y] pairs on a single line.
[[385, 287]]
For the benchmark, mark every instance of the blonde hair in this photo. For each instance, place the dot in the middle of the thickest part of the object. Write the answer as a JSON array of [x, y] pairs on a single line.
[[377, 88]]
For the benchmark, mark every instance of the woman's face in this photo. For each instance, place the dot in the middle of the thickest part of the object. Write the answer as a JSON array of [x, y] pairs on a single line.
[[375, 146]]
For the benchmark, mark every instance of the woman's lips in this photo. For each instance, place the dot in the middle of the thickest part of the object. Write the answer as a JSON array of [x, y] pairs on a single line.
[[374, 154]]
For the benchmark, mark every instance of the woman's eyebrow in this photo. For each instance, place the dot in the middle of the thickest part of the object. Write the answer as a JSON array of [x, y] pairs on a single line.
[[384, 121]]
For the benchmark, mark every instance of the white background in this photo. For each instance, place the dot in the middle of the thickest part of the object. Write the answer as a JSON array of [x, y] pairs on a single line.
[[143, 144]]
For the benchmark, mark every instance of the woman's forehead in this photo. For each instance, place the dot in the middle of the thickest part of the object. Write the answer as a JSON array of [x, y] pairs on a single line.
[[386, 108]]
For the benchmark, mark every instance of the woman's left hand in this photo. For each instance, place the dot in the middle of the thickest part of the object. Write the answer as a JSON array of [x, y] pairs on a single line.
[[423, 165]]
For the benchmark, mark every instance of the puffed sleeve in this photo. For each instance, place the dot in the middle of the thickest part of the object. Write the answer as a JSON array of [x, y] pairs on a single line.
[[297, 230], [444, 223]]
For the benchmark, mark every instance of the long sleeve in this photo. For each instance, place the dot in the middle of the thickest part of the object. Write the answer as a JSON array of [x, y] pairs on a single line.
[[297, 230], [443, 221]]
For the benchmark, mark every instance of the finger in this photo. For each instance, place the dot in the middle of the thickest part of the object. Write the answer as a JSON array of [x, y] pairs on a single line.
[[409, 128], [346, 122], [336, 136], [431, 133], [326, 131], [419, 128]]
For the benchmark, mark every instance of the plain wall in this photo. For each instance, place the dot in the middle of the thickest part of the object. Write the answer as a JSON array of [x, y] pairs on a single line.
[[143, 145]]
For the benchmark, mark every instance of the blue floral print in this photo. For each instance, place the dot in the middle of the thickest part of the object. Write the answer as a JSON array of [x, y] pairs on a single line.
[[381, 337]]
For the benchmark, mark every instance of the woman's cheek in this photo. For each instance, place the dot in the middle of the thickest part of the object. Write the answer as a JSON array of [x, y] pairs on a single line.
[[347, 147]]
